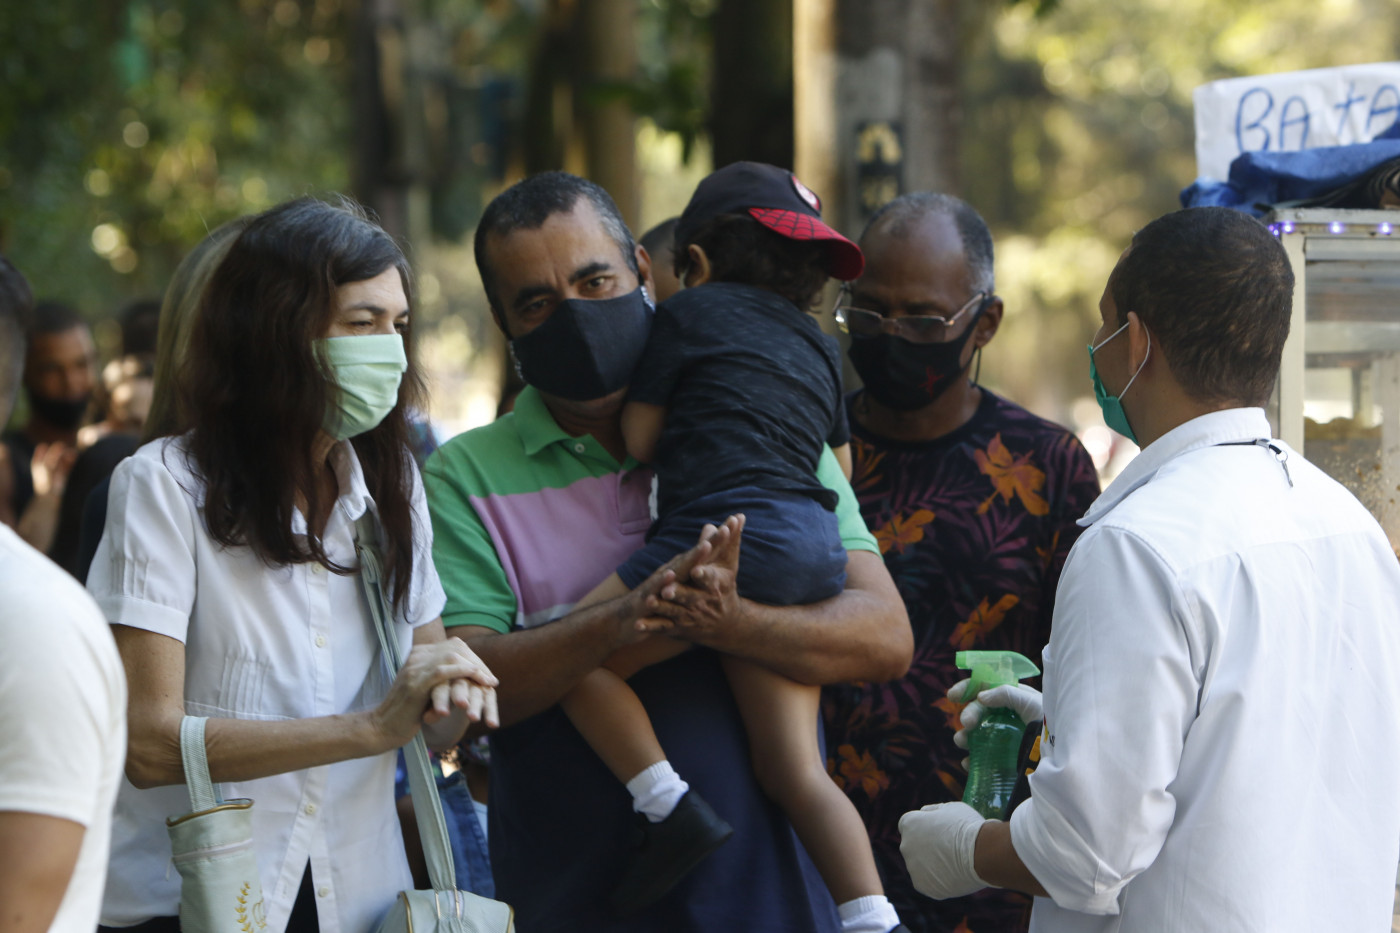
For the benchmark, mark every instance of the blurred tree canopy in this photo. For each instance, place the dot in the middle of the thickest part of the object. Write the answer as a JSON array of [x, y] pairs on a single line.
[[130, 127], [1079, 129]]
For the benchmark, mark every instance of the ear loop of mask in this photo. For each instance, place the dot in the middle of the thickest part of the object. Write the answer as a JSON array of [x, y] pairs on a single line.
[[977, 370], [1105, 341], [1140, 366]]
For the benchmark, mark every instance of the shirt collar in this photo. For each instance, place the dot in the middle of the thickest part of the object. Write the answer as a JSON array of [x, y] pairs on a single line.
[[536, 426], [1217, 427], [538, 429], [354, 496]]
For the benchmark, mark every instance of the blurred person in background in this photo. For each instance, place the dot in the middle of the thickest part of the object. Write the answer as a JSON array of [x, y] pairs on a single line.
[[973, 500], [660, 244], [62, 714], [59, 381], [126, 389], [228, 570], [165, 344]]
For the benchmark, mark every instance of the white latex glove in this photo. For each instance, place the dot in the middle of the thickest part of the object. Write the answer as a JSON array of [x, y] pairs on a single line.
[[937, 843], [1022, 700]]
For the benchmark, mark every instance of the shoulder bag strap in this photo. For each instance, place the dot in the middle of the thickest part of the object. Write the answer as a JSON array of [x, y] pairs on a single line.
[[427, 807], [204, 793]]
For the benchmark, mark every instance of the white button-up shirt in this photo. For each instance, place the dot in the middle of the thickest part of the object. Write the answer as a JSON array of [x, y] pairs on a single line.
[[1222, 701], [266, 643]]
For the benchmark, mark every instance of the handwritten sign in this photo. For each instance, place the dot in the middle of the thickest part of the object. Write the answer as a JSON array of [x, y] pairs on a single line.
[[1293, 111]]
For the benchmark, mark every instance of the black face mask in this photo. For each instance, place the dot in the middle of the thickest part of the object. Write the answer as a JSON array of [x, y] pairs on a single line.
[[906, 376], [586, 349], [63, 413]]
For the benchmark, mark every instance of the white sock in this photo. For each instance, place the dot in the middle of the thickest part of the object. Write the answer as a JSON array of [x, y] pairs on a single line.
[[656, 791], [870, 914]]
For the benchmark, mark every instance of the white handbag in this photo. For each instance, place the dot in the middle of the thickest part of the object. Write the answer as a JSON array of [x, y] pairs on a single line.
[[212, 848], [443, 908]]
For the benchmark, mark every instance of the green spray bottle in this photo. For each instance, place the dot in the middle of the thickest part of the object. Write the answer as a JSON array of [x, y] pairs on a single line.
[[994, 746]]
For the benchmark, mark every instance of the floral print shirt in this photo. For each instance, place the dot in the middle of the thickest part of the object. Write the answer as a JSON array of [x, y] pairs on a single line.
[[974, 528]]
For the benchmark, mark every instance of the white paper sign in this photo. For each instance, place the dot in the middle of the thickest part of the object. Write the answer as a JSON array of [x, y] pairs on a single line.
[[1292, 111]]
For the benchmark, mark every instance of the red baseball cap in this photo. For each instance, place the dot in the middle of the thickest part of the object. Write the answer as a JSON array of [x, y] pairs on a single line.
[[775, 198]]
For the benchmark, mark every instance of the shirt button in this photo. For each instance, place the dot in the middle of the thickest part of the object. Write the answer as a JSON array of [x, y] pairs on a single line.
[[324, 891], [317, 569], [310, 809], [320, 641], [580, 448]]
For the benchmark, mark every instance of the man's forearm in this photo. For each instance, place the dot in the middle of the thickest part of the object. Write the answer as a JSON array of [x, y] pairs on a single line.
[[996, 862], [536, 667], [862, 634]]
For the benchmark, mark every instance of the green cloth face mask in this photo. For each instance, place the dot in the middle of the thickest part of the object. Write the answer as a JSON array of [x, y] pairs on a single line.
[[368, 370], [1112, 406]]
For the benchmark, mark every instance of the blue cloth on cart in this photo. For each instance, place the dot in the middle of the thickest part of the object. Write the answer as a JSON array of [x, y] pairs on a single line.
[[1260, 180]]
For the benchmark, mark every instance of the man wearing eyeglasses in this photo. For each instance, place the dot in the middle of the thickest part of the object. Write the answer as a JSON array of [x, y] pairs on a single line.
[[973, 500]]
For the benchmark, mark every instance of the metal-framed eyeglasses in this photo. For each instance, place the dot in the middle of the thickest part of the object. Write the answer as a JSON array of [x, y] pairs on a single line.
[[916, 328]]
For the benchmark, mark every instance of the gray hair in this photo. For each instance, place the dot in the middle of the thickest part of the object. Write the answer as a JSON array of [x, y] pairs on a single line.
[[526, 205], [908, 209]]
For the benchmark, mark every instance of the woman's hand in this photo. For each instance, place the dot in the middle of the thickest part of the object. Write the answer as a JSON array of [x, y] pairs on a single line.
[[435, 678], [476, 695]]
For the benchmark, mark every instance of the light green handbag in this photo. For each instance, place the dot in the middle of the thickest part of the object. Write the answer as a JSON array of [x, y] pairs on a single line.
[[212, 847], [444, 908]]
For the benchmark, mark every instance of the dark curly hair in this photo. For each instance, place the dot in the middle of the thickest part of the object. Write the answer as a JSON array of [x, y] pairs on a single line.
[[742, 250], [255, 389]]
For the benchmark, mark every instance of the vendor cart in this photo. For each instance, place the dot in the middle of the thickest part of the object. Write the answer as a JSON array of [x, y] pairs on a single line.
[[1338, 393]]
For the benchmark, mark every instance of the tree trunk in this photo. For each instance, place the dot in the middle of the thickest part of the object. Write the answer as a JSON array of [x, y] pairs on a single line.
[[882, 116], [751, 101], [606, 28], [376, 88], [548, 119]]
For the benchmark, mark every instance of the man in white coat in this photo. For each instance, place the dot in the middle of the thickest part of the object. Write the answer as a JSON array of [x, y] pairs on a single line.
[[1222, 683]]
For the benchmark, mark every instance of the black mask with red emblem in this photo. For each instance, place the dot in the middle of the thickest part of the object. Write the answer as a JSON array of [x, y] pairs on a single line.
[[906, 376]]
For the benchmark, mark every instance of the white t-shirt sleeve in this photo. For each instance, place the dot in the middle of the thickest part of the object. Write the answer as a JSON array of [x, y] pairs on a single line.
[[143, 574], [1120, 695], [63, 697], [426, 598]]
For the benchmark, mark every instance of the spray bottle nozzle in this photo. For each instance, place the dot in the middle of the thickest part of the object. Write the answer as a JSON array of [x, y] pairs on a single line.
[[994, 668]]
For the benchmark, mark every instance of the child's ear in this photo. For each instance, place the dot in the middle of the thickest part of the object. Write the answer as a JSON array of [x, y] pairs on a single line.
[[698, 271]]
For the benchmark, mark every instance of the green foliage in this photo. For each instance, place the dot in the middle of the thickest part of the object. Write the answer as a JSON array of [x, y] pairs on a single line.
[[1040, 7], [674, 43], [1079, 129], [130, 128]]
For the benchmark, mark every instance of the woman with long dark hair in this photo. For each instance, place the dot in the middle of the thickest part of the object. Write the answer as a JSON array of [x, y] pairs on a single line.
[[228, 570]]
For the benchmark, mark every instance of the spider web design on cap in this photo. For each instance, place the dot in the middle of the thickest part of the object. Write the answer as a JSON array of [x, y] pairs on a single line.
[[844, 258], [791, 224]]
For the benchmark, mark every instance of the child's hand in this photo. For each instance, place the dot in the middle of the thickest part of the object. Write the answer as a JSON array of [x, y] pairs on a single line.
[[693, 607], [641, 616]]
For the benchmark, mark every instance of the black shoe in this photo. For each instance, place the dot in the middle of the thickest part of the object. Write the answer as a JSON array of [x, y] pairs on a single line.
[[667, 851]]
